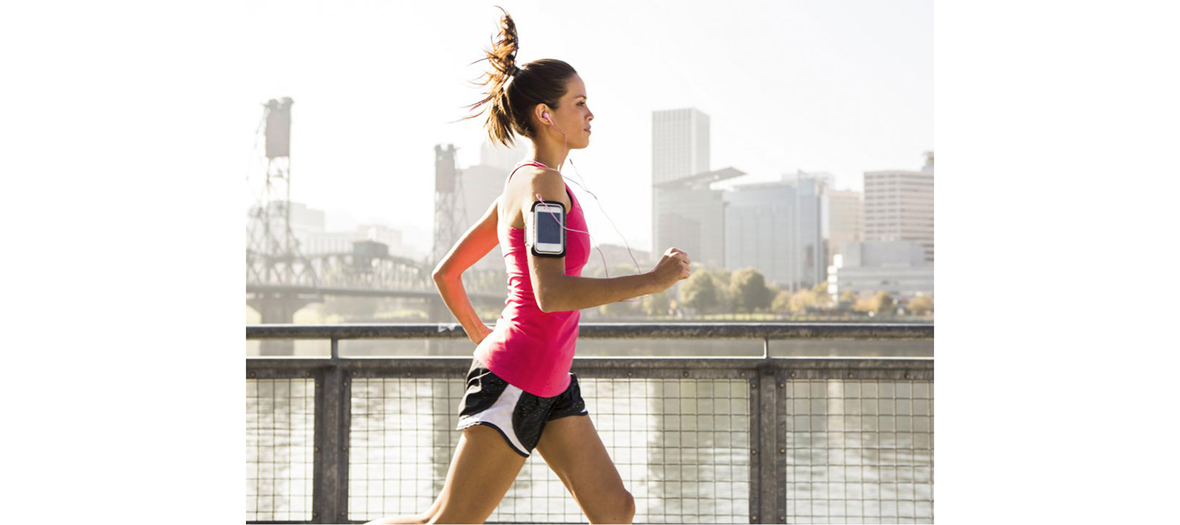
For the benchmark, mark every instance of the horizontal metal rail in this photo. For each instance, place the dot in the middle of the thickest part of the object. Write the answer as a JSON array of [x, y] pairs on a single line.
[[857, 331], [610, 367]]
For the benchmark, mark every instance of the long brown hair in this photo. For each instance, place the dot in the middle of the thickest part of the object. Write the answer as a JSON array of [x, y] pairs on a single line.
[[513, 92]]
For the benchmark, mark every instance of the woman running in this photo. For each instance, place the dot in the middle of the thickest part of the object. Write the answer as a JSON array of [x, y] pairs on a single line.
[[520, 392]]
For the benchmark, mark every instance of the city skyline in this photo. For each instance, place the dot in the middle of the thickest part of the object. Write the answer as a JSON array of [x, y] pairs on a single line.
[[832, 229], [811, 89]]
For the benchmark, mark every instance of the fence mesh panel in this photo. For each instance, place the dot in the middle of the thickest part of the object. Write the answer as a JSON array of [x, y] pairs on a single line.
[[860, 451], [280, 431], [681, 448]]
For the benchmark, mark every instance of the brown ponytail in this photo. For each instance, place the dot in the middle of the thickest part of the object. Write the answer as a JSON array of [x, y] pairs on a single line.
[[514, 92]]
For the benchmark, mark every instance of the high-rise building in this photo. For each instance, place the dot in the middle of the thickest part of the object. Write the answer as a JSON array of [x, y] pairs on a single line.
[[899, 206], [682, 210], [679, 145], [844, 216], [777, 228]]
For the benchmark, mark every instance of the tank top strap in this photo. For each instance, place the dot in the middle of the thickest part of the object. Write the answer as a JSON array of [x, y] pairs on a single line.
[[573, 201], [523, 164]]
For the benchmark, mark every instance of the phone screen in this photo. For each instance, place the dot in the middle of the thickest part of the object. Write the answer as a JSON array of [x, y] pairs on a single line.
[[548, 225]]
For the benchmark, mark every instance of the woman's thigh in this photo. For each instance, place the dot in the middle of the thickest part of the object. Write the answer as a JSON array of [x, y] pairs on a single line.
[[481, 472], [574, 451]]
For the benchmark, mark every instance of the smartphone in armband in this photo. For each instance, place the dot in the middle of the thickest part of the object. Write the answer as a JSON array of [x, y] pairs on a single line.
[[548, 229]]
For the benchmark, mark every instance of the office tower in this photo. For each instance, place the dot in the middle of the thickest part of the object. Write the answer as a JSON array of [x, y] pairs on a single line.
[[778, 229], [679, 145], [899, 206], [680, 213], [844, 217]]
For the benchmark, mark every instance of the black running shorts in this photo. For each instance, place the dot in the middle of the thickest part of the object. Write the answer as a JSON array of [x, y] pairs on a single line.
[[518, 415]]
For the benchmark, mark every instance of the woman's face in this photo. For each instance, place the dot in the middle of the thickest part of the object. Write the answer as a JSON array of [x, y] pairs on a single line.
[[573, 116]]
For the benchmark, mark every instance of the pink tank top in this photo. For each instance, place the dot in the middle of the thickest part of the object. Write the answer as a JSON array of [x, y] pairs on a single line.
[[528, 348]]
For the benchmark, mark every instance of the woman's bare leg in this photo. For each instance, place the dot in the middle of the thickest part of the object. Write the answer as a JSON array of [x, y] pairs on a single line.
[[481, 472], [572, 448]]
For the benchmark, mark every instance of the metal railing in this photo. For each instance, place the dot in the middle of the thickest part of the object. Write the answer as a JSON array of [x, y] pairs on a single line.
[[742, 439]]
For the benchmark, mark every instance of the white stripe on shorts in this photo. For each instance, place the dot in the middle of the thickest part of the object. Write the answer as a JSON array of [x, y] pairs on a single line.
[[500, 415]]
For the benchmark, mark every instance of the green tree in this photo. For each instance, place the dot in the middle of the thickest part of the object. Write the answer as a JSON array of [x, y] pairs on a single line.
[[822, 297], [847, 300], [725, 294], [749, 289], [882, 303], [699, 292], [782, 302], [802, 300], [863, 304], [921, 305], [656, 303]]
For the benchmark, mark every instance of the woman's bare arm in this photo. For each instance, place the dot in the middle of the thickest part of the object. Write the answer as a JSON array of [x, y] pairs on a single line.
[[476, 243], [557, 291]]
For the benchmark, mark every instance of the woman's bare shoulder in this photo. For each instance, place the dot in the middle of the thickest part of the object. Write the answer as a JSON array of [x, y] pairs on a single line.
[[531, 179], [533, 173]]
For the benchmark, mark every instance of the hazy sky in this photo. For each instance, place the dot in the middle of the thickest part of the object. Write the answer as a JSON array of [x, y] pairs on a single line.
[[843, 87]]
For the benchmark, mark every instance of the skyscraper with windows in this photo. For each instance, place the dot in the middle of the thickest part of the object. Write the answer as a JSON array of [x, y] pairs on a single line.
[[679, 145], [844, 215], [899, 206], [778, 229], [684, 212]]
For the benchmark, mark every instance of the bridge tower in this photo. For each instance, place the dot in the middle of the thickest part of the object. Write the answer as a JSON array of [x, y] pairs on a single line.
[[450, 215], [272, 250], [450, 212]]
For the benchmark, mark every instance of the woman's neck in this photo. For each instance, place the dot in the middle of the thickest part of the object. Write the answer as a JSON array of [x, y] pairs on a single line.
[[548, 155]]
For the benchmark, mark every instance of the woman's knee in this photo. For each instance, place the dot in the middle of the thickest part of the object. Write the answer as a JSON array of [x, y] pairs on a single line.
[[628, 506], [623, 511]]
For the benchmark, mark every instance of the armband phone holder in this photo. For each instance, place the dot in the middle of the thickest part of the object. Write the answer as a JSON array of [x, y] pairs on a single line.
[[543, 226]]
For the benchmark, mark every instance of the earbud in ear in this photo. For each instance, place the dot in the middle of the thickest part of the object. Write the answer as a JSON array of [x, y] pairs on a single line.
[[545, 115]]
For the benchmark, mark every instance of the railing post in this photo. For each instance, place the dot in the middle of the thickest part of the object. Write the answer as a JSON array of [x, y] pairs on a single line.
[[779, 386], [330, 470], [756, 420], [767, 465]]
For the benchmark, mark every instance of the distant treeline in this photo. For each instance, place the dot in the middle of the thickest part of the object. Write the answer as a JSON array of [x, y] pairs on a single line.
[[717, 293]]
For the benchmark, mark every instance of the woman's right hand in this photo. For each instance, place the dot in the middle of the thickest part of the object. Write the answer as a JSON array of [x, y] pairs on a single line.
[[673, 266]]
